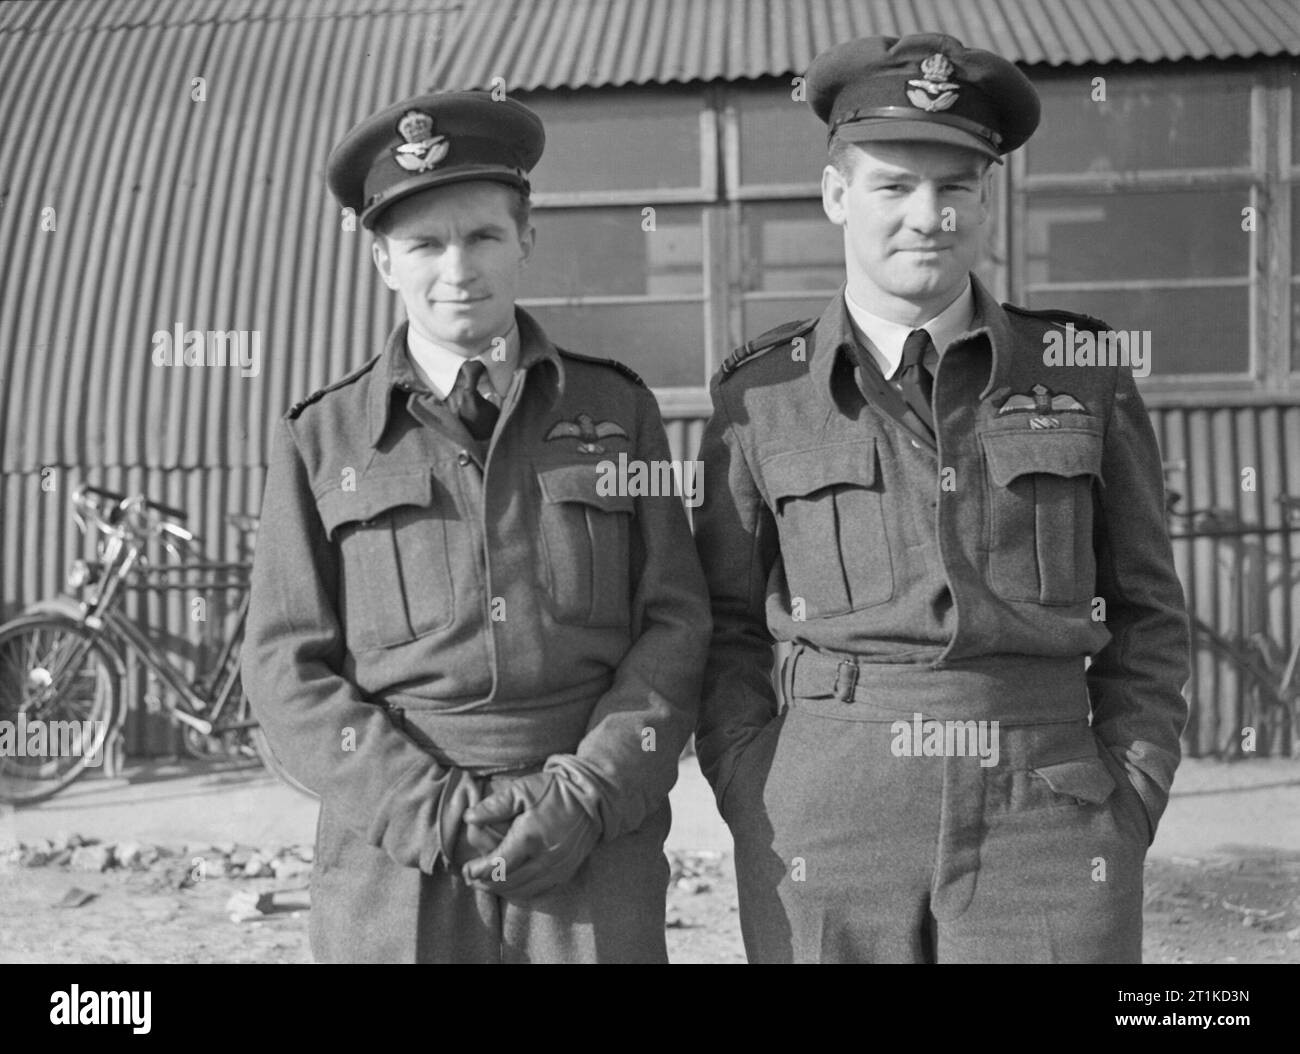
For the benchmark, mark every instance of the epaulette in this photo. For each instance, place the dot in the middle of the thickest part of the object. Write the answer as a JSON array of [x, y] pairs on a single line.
[[1061, 318], [773, 338], [622, 367], [320, 393]]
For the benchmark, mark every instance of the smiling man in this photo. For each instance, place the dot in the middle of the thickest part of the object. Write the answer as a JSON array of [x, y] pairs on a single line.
[[483, 660], [943, 529]]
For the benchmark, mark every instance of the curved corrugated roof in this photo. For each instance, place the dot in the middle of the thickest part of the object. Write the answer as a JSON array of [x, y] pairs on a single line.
[[594, 43], [208, 214], [214, 215]]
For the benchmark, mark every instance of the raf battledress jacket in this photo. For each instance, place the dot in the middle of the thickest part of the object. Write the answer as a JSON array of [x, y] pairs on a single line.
[[1029, 529], [420, 601]]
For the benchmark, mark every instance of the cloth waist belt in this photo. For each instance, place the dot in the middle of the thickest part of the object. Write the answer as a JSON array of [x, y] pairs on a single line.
[[1013, 689], [499, 735]]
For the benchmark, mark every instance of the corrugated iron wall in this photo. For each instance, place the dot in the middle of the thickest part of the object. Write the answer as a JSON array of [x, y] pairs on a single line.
[[167, 170], [202, 204], [39, 539], [1239, 459]]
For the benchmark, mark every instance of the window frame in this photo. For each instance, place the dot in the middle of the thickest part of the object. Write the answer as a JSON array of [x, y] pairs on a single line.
[[1267, 181], [676, 400], [1268, 253]]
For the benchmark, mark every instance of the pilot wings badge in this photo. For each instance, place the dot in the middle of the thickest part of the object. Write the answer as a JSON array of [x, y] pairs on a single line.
[[1042, 404], [422, 149], [588, 431]]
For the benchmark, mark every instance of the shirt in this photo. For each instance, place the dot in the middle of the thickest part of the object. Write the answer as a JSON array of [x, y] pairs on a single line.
[[884, 339], [439, 366]]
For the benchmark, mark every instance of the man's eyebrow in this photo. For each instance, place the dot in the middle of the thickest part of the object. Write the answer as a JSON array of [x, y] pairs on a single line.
[[903, 174], [486, 227], [888, 173], [416, 236]]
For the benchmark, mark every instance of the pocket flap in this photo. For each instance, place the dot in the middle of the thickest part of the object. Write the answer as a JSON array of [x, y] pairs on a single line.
[[1055, 451], [374, 495], [1084, 778], [802, 472], [587, 484]]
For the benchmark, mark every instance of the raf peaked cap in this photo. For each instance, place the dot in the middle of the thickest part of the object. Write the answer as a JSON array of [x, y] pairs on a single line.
[[927, 87], [432, 140]]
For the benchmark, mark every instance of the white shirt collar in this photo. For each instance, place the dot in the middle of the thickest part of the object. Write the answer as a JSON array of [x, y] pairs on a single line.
[[884, 339], [440, 366]]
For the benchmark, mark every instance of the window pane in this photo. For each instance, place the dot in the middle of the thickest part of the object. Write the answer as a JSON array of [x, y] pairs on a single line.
[[1295, 326], [605, 252], [1192, 330], [618, 140], [664, 343], [1146, 122], [789, 247], [1295, 227], [762, 315], [1172, 234], [781, 140]]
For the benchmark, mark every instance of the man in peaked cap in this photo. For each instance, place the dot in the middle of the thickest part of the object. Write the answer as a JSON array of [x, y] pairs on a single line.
[[942, 527], [482, 661]]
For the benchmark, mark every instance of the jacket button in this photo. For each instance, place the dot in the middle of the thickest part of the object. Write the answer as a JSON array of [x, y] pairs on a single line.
[[462, 459]]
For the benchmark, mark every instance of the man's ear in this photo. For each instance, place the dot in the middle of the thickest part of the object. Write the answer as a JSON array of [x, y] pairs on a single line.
[[383, 262], [527, 240], [834, 188]]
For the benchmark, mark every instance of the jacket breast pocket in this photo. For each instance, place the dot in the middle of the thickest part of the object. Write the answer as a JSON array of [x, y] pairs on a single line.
[[395, 581], [829, 510], [1040, 489], [586, 538]]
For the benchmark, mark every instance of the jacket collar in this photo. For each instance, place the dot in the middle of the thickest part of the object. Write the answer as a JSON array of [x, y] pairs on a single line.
[[834, 337], [393, 372]]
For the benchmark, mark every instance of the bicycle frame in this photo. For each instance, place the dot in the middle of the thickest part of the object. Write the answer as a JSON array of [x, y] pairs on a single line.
[[129, 641], [91, 608]]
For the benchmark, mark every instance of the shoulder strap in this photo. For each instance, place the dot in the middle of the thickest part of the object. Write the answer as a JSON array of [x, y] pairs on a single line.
[[622, 367], [320, 393], [1060, 317], [773, 338]]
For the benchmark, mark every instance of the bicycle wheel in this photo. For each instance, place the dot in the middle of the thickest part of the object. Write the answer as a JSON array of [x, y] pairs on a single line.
[[58, 698], [1232, 691]]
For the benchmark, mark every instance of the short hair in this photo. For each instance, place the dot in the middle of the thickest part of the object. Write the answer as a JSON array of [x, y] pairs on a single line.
[[521, 211], [844, 156]]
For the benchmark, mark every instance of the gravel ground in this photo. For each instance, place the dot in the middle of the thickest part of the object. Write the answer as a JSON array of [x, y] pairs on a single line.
[[1242, 908]]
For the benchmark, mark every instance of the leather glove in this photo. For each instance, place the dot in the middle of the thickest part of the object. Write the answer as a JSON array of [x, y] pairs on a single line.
[[451, 841], [460, 841], [554, 818]]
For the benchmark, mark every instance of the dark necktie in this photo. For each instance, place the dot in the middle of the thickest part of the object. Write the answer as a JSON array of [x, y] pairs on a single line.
[[915, 379], [476, 411]]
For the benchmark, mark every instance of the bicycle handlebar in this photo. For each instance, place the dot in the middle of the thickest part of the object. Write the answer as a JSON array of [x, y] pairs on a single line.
[[170, 511]]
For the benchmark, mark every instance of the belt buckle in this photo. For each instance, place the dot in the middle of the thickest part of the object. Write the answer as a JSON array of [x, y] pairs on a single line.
[[846, 680]]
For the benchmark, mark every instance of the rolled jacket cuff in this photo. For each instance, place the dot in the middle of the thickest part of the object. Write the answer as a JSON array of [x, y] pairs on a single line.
[[460, 791], [588, 786], [1150, 773]]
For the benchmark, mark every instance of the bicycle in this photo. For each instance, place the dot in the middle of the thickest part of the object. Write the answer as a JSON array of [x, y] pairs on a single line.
[[64, 661], [1259, 670]]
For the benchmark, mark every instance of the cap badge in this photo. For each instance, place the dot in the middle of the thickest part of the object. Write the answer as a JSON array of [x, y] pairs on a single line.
[[935, 91], [422, 149]]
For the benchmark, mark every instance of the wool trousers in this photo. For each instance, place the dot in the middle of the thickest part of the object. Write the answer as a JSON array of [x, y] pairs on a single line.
[[855, 843]]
